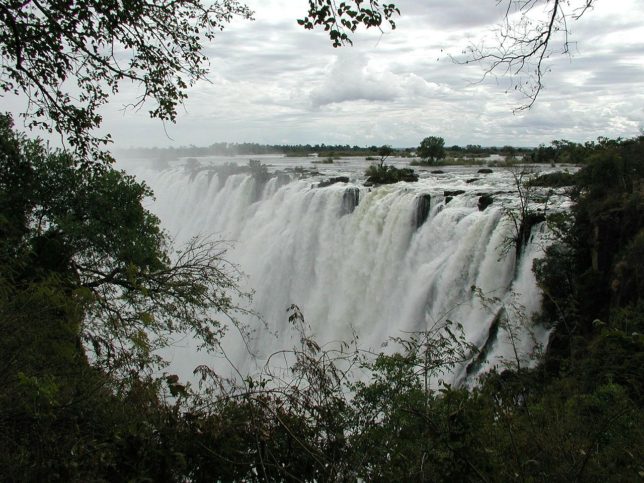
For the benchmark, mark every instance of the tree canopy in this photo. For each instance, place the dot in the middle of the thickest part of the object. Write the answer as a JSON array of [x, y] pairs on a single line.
[[340, 20], [384, 152], [68, 58], [431, 149], [87, 233]]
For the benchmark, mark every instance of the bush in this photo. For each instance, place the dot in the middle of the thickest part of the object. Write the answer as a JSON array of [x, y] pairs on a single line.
[[328, 160], [389, 174], [558, 179]]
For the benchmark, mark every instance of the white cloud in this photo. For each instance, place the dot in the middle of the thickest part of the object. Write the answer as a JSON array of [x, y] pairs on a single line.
[[350, 79]]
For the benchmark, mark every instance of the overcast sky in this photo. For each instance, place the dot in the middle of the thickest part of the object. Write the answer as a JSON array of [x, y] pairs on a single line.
[[273, 82]]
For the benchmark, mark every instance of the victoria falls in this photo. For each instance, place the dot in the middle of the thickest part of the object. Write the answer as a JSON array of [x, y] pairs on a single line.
[[323, 241], [372, 262]]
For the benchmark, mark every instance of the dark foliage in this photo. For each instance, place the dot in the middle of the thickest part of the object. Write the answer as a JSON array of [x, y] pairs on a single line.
[[67, 58], [382, 174], [558, 179], [431, 149], [74, 411], [342, 19]]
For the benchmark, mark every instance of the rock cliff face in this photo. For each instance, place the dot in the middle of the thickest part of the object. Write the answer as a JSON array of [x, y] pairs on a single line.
[[423, 205], [350, 200], [330, 181], [485, 201]]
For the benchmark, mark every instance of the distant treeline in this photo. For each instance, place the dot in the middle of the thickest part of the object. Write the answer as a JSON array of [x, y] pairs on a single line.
[[558, 151], [242, 149]]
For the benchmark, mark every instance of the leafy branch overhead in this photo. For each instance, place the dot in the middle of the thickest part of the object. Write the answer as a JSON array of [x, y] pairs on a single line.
[[530, 33], [344, 18], [68, 58]]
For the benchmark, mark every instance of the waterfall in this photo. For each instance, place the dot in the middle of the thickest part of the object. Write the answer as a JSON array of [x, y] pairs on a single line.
[[374, 262]]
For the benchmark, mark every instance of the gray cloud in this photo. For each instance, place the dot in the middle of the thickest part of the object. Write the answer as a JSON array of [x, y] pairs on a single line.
[[452, 14], [348, 80], [271, 81]]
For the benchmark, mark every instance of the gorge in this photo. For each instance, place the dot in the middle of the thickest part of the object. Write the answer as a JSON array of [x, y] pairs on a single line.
[[372, 262]]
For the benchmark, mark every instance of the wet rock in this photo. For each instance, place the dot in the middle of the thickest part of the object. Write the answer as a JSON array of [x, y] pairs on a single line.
[[330, 181], [350, 200], [485, 171], [453, 193], [485, 201], [408, 175], [423, 206]]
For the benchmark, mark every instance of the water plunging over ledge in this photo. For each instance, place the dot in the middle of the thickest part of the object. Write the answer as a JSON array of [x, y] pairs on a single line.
[[375, 262]]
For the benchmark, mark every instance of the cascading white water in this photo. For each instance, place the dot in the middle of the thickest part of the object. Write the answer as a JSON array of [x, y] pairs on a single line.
[[375, 270]]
